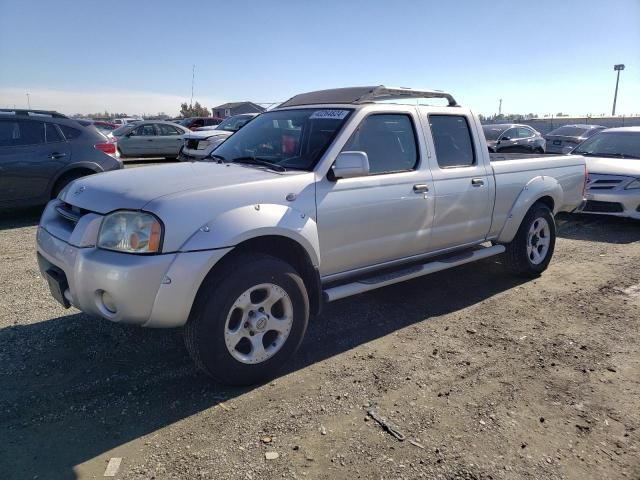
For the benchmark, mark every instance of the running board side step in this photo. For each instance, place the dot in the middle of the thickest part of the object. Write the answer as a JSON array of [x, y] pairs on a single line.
[[407, 273]]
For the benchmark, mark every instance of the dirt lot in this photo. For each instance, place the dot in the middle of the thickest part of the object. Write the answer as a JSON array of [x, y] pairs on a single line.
[[487, 376]]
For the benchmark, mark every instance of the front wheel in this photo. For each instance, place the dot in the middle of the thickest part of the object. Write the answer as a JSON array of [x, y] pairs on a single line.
[[248, 319], [530, 252]]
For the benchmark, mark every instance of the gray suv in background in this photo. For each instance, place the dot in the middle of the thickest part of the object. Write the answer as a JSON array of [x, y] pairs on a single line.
[[568, 137], [41, 152]]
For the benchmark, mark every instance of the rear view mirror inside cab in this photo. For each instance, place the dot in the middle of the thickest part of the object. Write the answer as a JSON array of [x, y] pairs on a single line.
[[351, 165]]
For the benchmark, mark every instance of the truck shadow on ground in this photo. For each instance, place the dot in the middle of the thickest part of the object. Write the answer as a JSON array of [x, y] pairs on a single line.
[[19, 217], [75, 387], [598, 228]]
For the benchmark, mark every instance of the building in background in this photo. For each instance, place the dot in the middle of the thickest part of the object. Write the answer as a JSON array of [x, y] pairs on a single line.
[[235, 108]]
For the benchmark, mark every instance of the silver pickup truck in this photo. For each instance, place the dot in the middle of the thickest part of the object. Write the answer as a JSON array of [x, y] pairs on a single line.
[[334, 193]]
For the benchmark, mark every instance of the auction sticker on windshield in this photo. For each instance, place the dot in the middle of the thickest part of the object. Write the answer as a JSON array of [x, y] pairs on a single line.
[[329, 114]]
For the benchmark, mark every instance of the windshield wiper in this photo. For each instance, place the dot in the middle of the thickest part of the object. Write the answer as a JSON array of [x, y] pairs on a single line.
[[216, 156], [259, 161]]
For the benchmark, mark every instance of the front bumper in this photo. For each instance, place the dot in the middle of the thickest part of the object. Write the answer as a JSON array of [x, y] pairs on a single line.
[[190, 155], [622, 203], [147, 290]]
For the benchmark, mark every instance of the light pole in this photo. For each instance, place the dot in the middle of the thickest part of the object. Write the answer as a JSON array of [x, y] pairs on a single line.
[[29, 101], [616, 68]]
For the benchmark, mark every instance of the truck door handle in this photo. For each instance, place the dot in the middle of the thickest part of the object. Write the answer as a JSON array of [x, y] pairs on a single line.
[[477, 182], [56, 155], [420, 188]]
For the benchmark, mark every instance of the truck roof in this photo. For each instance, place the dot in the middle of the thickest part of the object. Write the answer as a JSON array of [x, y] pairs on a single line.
[[359, 95]]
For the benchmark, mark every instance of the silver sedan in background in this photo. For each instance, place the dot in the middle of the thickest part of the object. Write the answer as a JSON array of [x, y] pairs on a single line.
[[613, 162], [150, 139]]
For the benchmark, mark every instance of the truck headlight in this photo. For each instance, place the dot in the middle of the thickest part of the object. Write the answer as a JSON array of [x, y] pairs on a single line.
[[633, 185], [131, 232]]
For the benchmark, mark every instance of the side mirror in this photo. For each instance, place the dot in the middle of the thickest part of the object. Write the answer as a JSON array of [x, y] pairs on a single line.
[[504, 138], [351, 164]]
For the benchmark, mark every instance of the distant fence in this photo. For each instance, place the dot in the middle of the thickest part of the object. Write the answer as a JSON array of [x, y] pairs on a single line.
[[545, 125]]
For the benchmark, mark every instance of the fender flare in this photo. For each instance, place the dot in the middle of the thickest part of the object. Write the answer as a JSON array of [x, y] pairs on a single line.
[[244, 223], [538, 187], [94, 167]]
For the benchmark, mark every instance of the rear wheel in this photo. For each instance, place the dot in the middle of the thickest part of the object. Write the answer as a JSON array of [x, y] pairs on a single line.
[[248, 320], [530, 252]]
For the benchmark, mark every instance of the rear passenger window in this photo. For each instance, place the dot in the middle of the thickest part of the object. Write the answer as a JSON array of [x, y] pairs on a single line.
[[69, 132], [452, 140], [524, 133], [52, 133], [9, 132], [388, 140], [14, 133], [166, 130]]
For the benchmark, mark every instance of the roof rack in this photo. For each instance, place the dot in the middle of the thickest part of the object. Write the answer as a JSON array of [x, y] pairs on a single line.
[[27, 112], [359, 95]]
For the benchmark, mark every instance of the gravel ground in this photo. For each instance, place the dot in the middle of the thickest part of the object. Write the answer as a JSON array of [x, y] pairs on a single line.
[[487, 376]]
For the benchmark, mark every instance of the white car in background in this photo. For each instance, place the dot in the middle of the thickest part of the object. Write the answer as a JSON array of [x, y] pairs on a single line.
[[200, 143], [125, 121], [613, 162]]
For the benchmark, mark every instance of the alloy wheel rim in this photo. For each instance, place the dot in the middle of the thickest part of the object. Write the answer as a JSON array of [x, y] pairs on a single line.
[[538, 241], [258, 324]]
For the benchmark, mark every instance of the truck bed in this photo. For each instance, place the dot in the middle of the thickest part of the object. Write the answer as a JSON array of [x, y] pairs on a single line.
[[496, 157]]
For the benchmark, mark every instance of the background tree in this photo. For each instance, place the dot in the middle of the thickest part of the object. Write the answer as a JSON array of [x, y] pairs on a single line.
[[195, 110]]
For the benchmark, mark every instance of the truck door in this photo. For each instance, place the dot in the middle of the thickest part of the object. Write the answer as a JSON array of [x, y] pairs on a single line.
[[462, 183], [385, 215]]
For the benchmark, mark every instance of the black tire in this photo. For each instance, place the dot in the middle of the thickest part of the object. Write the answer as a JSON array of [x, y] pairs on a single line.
[[205, 331], [518, 259], [66, 179]]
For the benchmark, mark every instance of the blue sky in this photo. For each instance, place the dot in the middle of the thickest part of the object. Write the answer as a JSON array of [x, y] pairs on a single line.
[[541, 57]]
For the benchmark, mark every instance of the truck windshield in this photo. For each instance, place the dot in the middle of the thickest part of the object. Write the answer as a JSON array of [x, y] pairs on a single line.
[[611, 144], [292, 139]]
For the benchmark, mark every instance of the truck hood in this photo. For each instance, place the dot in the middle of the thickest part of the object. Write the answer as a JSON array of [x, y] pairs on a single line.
[[613, 166], [134, 188]]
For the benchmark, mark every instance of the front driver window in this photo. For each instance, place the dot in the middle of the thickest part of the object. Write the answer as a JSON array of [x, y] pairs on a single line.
[[510, 134], [144, 130], [524, 133], [389, 142]]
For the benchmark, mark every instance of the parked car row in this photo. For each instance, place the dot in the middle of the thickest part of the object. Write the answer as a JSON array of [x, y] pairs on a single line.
[[517, 138], [41, 151]]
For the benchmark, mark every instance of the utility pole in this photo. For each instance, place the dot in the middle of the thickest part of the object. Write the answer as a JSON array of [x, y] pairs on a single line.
[[193, 79], [616, 68], [29, 101], [500, 107]]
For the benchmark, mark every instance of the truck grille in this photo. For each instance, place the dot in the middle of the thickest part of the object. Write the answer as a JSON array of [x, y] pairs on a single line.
[[604, 182], [64, 221], [596, 206]]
